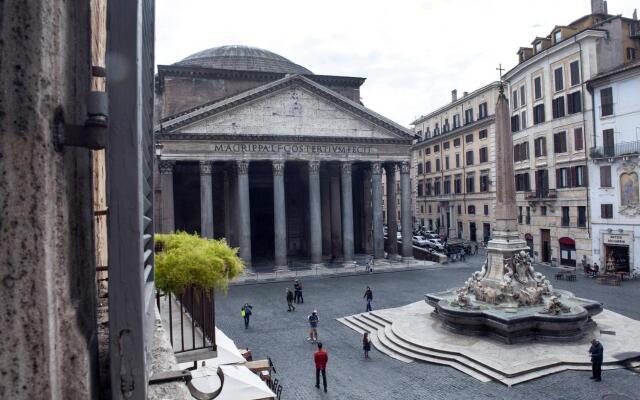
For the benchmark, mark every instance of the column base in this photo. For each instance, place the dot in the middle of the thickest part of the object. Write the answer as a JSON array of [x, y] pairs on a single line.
[[394, 257], [281, 268], [408, 259]]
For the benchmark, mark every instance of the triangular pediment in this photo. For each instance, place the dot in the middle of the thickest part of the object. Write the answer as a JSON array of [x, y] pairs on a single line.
[[293, 106]]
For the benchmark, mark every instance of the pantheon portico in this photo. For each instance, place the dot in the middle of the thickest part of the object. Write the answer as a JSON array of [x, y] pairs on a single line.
[[282, 163]]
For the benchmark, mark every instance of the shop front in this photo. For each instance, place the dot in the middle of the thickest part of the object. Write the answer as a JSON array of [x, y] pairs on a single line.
[[617, 252], [567, 252]]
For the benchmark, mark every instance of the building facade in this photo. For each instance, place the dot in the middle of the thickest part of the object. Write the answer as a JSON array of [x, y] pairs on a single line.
[[552, 124], [453, 166], [614, 169], [283, 163]]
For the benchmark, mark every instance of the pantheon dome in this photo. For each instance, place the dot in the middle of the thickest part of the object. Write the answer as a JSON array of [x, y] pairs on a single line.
[[243, 58]]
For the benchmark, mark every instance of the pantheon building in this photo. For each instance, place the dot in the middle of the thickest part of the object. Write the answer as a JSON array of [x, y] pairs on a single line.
[[285, 164]]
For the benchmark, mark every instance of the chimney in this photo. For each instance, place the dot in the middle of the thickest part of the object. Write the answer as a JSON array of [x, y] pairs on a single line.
[[465, 94], [605, 7], [597, 7], [635, 14], [454, 95]]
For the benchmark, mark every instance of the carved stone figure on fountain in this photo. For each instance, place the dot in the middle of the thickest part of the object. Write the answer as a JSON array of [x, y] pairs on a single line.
[[555, 307]]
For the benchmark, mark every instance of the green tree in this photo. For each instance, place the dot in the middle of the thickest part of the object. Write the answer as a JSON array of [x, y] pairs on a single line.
[[183, 259]]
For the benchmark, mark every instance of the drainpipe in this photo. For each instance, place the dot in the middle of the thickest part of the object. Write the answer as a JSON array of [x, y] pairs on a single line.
[[586, 155]]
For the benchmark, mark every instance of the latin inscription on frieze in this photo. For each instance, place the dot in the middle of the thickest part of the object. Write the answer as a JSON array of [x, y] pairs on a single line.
[[287, 148]]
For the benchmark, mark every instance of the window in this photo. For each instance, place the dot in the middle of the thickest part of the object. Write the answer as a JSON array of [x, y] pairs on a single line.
[[582, 216], [538, 47], [538, 114], [557, 106], [537, 88], [456, 121], [436, 148], [606, 101], [470, 157], [631, 53], [558, 79], [514, 97], [557, 36], [482, 134], [519, 214], [571, 177], [574, 68], [562, 178], [484, 154], [482, 111], [543, 211], [528, 221], [560, 142], [456, 142], [457, 160], [420, 190], [606, 211], [608, 142], [436, 187], [523, 100], [427, 167], [565, 216], [578, 142], [574, 102], [429, 209], [578, 176], [471, 184], [522, 182], [540, 145], [523, 120], [436, 130], [459, 209], [457, 184], [447, 185], [445, 126], [427, 151], [437, 164], [446, 162], [486, 209], [468, 116], [515, 123], [427, 190], [445, 146], [484, 183], [605, 176], [471, 210], [419, 168], [521, 152], [469, 138]]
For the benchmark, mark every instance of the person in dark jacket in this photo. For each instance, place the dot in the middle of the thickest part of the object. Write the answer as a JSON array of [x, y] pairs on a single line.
[[366, 345], [245, 311], [321, 358], [368, 295], [297, 288], [597, 354], [290, 300]]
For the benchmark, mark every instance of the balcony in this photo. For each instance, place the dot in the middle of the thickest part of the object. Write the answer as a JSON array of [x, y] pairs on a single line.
[[617, 150], [542, 195]]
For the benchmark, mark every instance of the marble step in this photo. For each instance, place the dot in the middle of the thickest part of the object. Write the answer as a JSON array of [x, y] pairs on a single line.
[[373, 334]]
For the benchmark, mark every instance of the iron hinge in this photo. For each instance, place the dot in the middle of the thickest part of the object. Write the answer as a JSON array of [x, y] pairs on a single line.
[[93, 134]]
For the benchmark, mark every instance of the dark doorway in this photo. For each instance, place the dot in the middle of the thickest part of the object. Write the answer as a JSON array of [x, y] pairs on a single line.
[[186, 197], [296, 190], [459, 229], [617, 258], [529, 238], [261, 199], [545, 245], [567, 252], [486, 231], [472, 231]]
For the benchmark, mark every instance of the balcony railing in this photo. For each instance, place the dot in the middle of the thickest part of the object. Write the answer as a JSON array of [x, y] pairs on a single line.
[[548, 194], [617, 150]]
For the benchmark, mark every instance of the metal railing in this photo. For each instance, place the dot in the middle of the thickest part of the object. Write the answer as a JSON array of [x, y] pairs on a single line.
[[617, 150], [542, 194]]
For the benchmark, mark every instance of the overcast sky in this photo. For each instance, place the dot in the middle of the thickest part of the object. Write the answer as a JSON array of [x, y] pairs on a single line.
[[412, 52]]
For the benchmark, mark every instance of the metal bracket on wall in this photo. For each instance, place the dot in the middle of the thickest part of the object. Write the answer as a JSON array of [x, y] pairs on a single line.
[[170, 376], [93, 134]]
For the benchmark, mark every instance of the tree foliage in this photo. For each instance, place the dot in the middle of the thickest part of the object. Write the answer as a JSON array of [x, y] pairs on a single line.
[[184, 259]]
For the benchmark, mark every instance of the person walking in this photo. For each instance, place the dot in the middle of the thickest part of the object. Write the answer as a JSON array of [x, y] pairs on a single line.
[[366, 345], [313, 326], [245, 311], [321, 358], [368, 295], [597, 354], [462, 255], [297, 287], [290, 305]]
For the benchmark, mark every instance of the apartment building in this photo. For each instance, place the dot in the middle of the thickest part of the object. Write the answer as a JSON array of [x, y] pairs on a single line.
[[614, 169], [453, 166], [552, 124]]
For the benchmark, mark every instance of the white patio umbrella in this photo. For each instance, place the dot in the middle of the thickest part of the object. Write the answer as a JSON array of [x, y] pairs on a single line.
[[242, 384]]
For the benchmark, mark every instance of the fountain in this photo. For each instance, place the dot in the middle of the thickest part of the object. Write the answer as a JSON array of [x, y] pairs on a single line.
[[507, 298]]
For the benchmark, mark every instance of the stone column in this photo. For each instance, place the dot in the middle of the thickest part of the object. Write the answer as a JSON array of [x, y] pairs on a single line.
[[392, 210], [315, 218], [244, 212], [167, 222], [347, 212], [279, 215], [206, 200], [376, 201], [368, 214], [405, 202]]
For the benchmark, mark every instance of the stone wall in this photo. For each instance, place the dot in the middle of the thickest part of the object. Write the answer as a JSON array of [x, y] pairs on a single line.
[[47, 269]]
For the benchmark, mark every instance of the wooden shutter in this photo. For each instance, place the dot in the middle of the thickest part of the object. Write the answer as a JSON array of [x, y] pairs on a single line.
[[608, 142]]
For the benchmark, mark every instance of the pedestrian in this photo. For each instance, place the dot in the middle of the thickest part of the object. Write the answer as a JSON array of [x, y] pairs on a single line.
[[368, 295], [245, 311], [366, 345], [313, 326], [461, 254], [370, 265], [596, 352], [321, 358], [290, 305], [297, 287]]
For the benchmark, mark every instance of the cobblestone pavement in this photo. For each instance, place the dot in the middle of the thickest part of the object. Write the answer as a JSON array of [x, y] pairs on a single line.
[[281, 335]]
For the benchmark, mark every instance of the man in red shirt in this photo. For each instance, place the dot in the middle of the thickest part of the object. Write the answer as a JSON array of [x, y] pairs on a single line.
[[321, 358]]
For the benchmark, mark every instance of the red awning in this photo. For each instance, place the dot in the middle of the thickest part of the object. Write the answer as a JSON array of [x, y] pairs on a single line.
[[567, 241]]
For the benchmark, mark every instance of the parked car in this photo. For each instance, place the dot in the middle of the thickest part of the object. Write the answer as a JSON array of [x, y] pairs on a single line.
[[399, 235], [435, 244], [420, 241]]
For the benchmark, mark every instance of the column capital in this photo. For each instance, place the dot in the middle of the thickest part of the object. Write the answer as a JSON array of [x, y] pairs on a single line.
[[278, 167], [314, 167], [206, 167], [243, 167], [166, 167], [376, 168], [404, 167], [345, 167]]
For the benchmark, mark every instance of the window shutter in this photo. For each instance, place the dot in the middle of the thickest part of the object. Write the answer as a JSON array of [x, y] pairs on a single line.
[[558, 178]]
